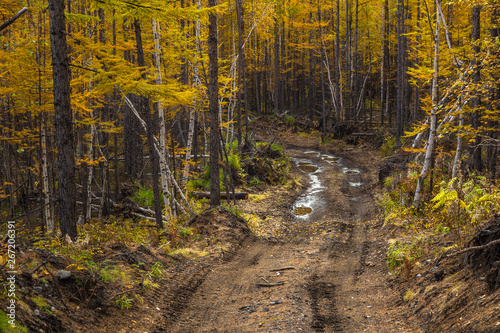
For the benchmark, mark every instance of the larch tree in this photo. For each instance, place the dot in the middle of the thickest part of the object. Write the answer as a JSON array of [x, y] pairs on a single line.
[[63, 119]]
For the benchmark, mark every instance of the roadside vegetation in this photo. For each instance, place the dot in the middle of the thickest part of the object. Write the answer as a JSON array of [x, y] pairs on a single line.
[[453, 208]]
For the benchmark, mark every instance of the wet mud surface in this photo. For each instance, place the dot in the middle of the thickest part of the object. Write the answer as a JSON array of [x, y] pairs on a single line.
[[322, 271]]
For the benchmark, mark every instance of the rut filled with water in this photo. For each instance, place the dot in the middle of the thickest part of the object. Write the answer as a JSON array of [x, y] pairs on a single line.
[[312, 164]]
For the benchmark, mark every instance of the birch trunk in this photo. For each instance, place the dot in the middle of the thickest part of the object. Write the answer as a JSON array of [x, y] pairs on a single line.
[[161, 120], [49, 217], [192, 114], [432, 131], [157, 150], [458, 153], [49, 221], [90, 175]]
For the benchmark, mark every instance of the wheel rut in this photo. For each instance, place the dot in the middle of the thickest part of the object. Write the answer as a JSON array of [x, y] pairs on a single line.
[[322, 276]]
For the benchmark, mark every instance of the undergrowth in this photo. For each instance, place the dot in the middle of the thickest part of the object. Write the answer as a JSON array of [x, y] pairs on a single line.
[[456, 208], [6, 324], [269, 164]]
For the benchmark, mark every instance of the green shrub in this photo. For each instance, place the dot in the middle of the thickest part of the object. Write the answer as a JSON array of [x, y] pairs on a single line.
[[290, 120], [399, 253], [186, 232], [124, 302], [389, 146], [233, 209], [5, 325], [232, 147], [234, 162], [145, 197], [156, 272], [255, 181]]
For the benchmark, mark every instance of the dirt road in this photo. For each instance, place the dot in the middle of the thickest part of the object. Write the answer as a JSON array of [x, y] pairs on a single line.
[[324, 272]]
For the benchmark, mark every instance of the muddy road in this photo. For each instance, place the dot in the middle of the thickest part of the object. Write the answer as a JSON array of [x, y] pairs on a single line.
[[323, 272]]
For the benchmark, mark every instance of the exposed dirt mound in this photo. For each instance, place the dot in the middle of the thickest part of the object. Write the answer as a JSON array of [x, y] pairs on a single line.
[[58, 293], [392, 164], [459, 291], [220, 223], [267, 163], [487, 260]]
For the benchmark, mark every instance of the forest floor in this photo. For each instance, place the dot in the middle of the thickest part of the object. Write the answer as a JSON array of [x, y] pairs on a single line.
[[322, 272]]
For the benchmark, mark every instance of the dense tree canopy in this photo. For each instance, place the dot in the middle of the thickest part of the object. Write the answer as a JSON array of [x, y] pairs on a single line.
[[140, 78]]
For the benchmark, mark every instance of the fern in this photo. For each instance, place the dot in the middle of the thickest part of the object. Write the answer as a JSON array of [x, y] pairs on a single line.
[[470, 202], [444, 197]]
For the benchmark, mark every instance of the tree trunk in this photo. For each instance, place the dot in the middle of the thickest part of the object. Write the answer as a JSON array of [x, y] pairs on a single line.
[[213, 95], [161, 121], [255, 65], [312, 69], [63, 119], [475, 149], [323, 135], [192, 113], [131, 128], [49, 218], [49, 221], [338, 63], [347, 53], [384, 63], [144, 106], [277, 87], [432, 130], [241, 61], [402, 76], [458, 153]]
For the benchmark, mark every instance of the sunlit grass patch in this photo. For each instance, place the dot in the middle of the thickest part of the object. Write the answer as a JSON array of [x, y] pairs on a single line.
[[189, 253], [259, 197]]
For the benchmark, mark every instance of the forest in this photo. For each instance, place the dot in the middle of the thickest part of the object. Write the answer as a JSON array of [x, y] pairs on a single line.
[[141, 70], [154, 111]]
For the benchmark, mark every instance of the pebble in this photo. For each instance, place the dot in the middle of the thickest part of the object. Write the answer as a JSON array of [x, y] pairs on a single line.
[[63, 275]]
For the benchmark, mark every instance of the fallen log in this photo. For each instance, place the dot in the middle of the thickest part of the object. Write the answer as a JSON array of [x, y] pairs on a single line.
[[363, 134], [223, 195]]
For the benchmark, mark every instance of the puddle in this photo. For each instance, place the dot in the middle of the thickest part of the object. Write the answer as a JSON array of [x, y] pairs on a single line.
[[310, 200], [331, 159], [301, 211], [353, 177], [312, 153], [307, 167]]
